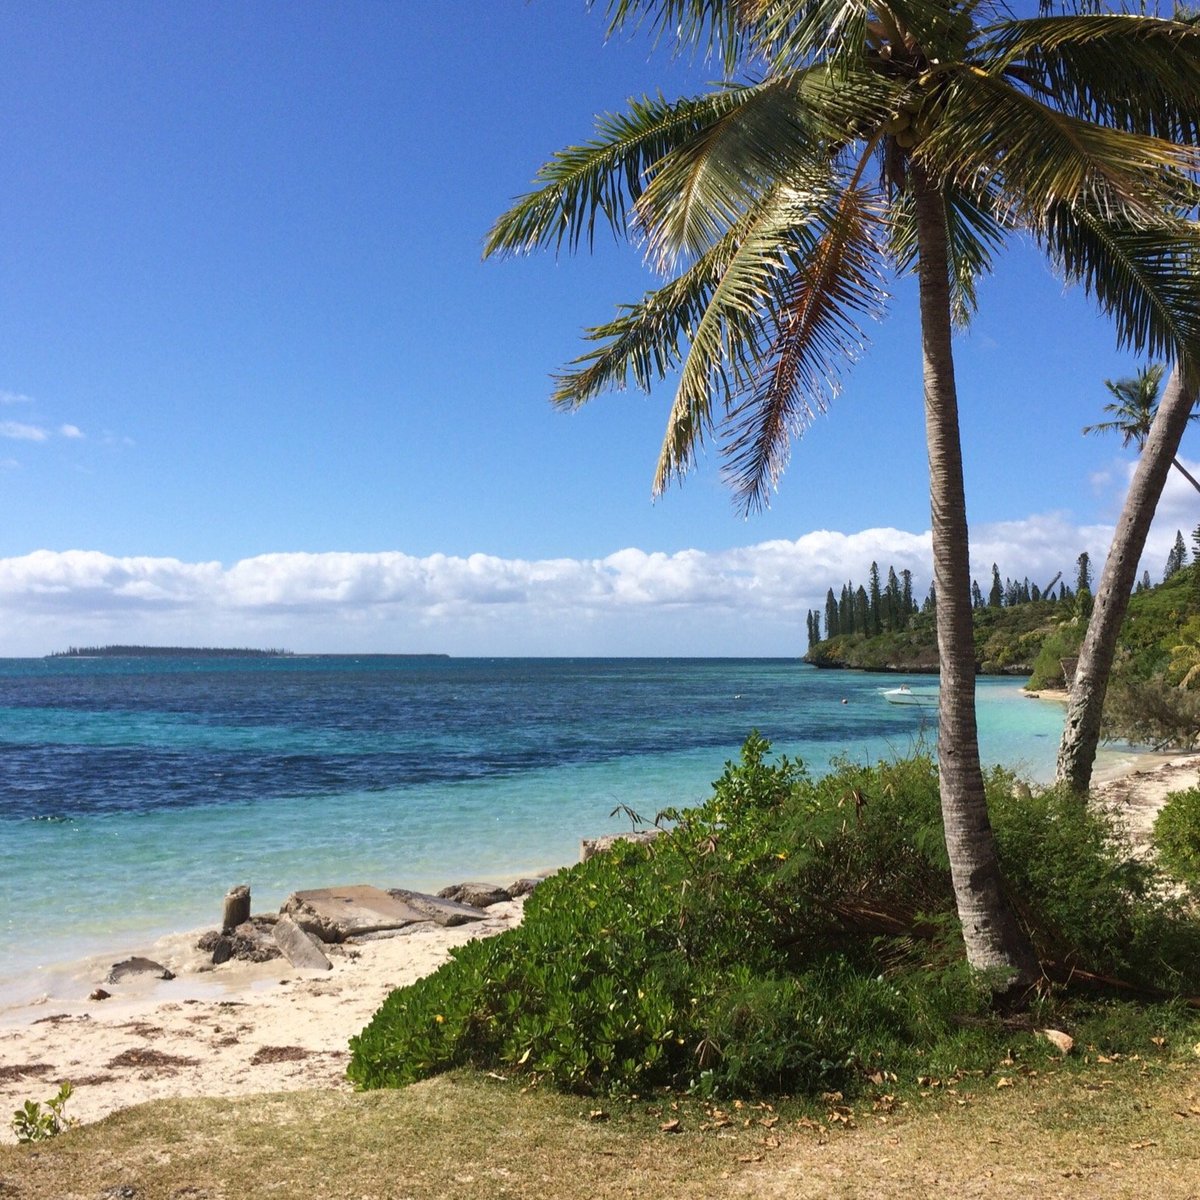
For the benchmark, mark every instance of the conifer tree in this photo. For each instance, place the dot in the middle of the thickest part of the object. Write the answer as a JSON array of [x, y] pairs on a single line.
[[976, 594], [1083, 586], [875, 603], [996, 595], [832, 627], [907, 604], [1176, 558], [862, 611], [891, 597]]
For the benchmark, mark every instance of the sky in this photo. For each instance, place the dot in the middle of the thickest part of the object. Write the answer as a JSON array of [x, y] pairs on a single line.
[[259, 387]]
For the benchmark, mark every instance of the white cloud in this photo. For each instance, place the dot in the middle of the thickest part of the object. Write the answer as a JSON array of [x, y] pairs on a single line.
[[22, 432], [70, 431], [14, 398], [744, 600]]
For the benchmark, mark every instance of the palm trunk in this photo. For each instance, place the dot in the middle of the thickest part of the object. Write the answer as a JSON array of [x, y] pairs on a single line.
[[1186, 473], [1081, 731], [994, 939]]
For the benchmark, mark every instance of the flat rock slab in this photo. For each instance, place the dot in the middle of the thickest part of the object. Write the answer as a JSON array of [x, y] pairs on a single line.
[[478, 895], [299, 948], [437, 909], [334, 914]]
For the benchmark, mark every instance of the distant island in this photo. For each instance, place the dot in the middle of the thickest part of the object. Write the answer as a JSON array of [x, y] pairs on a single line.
[[166, 652]]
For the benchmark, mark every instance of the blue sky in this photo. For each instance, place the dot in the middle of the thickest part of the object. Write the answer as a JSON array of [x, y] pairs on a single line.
[[257, 384]]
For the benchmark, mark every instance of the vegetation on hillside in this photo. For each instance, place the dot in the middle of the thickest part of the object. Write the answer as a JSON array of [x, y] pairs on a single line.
[[874, 629], [1154, 698]]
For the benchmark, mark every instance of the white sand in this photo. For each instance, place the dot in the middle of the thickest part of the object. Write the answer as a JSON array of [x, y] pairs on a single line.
[[231, 1030], [242, 1028]]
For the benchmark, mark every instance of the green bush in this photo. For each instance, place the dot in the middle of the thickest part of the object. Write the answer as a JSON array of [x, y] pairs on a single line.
[[1064, 642], [789, 935], [1177, 837]]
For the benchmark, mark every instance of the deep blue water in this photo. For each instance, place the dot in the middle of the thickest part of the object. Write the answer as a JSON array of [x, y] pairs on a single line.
[[134, 792]]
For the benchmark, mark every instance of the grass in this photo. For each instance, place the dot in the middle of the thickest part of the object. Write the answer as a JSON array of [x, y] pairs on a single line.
[[1129, 1127]]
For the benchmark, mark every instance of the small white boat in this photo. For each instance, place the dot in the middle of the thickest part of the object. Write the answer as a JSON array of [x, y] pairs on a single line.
[[905, 695]]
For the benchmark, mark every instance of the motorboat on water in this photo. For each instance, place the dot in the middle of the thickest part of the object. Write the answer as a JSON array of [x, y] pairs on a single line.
[[905, 695]]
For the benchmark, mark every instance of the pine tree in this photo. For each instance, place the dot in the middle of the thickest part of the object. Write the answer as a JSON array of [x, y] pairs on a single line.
[[1145, 581], [976, 594], [1176, 558], [862, 611], [908, 605], [1083, 586], [930, 604], [1083, 575], [874, 603], [832, 628], [891, 601], [846, 610], [996, 595]]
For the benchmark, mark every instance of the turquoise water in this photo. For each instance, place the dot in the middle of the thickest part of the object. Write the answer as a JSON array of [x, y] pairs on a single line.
[[134, 793]]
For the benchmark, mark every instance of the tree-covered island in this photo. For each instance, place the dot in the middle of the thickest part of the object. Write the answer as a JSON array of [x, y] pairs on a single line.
[[167, 652]]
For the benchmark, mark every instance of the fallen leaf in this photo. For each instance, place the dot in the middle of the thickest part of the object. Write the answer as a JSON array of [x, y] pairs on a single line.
[[672, 1126], [1004, 1082], [597, 1114], [1142, 1145]]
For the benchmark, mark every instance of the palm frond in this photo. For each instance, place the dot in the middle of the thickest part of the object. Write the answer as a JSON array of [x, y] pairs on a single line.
[[734, 335], [599, 179], [648, 340], [831, 289], [1133, 72], [1037, 156], [974, 232], [716, 27], [785, 130], [1144, 278]]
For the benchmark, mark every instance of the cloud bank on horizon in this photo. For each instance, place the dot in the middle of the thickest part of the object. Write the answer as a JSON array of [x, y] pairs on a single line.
[[749, 600]]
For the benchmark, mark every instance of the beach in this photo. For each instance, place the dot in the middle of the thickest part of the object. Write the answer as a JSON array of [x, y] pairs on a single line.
[[231, 1030], [241, 1028]]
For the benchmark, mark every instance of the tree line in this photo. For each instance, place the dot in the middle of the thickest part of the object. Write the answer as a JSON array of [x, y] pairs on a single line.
[[875, 609]]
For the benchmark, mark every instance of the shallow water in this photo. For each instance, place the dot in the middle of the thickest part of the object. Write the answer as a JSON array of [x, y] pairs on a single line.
[[134, 792]]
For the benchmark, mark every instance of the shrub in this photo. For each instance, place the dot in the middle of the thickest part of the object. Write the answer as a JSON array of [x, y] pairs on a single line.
[[789, 935], [1177, 837], [37, 1122]]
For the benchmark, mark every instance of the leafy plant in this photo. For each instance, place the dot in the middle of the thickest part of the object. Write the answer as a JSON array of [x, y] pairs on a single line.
[[789, 935], [1177, 837], [37, 1122]]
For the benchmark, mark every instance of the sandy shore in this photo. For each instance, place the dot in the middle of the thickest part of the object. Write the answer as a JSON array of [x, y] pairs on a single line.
[[231, 1030], [242, 1028]]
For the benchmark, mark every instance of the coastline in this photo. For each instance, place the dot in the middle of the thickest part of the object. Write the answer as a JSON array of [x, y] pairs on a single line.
[[237, 1029], [245, 1028]]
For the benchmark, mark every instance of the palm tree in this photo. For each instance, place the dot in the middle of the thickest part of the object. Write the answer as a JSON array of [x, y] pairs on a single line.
[[1158, 444], [848, 142], [1132, 410]]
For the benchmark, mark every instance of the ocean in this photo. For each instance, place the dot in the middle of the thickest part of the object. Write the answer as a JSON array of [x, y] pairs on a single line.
[[135, 791]]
